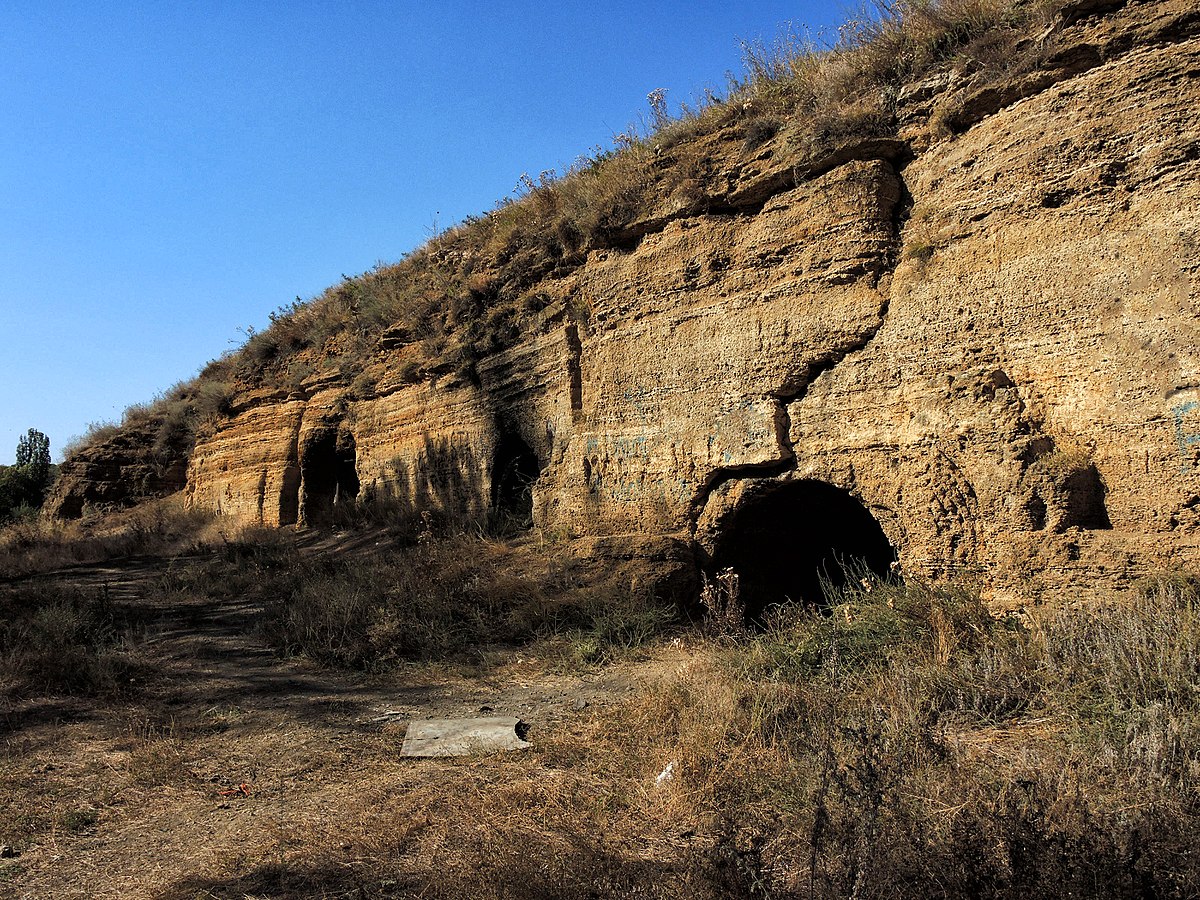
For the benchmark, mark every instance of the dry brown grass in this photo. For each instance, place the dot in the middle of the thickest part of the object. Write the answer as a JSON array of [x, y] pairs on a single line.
[[161, 527], [173, 420], [777, 789], [883, 749], [448, 599], [905, 743]]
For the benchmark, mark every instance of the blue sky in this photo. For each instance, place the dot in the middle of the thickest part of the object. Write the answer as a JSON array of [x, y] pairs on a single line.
[[171, 172]]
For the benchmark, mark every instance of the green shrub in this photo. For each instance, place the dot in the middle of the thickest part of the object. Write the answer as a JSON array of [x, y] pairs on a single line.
[[869, 624], [608, 628]]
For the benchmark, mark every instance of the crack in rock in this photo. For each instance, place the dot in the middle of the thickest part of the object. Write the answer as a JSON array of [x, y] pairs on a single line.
[[796, 389]]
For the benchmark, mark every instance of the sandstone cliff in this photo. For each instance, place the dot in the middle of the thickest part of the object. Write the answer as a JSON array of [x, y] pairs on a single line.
[[978, 325]]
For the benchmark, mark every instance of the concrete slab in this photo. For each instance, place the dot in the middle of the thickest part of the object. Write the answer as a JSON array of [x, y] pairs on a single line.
[[462, 737]]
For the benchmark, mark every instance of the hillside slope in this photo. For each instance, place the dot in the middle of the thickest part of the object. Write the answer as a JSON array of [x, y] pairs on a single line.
[[935, 288]]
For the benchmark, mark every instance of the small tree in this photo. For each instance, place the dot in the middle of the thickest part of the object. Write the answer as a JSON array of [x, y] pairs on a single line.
[[33, 455], [24, 486]]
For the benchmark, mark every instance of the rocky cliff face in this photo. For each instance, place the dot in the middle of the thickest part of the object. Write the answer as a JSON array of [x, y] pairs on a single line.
[[120, 471], [981, 334]]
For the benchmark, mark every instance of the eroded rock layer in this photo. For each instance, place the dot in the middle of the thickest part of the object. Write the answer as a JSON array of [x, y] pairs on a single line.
[[989, 340]]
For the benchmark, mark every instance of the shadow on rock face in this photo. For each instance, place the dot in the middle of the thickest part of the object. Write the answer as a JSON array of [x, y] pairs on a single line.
[[789, 542]]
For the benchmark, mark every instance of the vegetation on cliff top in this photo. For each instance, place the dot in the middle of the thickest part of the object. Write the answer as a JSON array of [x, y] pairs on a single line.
[[477, 288]]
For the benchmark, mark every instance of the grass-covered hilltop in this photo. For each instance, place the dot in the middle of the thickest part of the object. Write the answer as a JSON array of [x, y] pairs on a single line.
[[815, 475]]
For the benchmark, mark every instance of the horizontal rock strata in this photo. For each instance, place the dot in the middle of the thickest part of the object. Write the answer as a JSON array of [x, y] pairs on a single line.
[[990, 341]]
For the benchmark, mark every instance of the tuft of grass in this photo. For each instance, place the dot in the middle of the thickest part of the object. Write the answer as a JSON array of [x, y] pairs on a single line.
[[172, 421], [56, 640], [157, 755], [77, 820], [920, 250], [1065, 462], [866, 628], [446, 599], [94, 433], [723, 607], [1128, 676]]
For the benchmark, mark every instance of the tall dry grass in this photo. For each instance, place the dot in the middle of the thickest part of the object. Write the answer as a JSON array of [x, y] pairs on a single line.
[[161, 526], [58, 640], [906, 743], [451, 599]]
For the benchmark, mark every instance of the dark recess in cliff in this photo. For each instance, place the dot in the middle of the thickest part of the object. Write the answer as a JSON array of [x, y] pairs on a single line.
[[514, 471], [790, 542], [329, 475]]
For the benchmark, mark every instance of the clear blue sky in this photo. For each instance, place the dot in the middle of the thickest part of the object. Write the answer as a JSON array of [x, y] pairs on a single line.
[[171, 172]]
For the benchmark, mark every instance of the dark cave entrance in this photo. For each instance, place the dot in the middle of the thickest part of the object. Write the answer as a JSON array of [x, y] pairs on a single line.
[[514, 470], [785, 544], [329, 475]]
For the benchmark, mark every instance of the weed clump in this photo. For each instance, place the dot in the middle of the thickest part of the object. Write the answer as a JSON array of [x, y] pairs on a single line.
[[60, 641], [906, 741], [448, 599]]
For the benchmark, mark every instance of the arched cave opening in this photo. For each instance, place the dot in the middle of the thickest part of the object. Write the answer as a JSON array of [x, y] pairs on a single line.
[[515, 468], [787, 543], [329, 475]]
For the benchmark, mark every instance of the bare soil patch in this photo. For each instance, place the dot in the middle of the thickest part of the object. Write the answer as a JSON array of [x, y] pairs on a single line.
[[223, 760]]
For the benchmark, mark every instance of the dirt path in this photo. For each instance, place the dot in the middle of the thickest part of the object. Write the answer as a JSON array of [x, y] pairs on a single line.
[[145, 797]]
